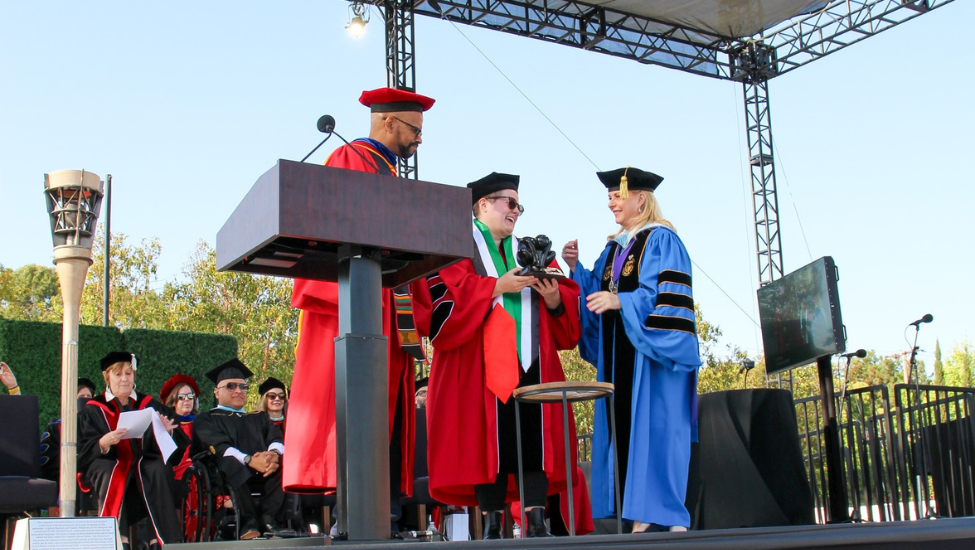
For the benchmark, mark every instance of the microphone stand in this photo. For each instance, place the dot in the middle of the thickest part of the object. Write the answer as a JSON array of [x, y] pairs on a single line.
[[855, 517], [317, 146], [918, 422]]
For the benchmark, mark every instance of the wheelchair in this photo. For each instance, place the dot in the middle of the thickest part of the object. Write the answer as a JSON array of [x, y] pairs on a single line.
[[208, 509]]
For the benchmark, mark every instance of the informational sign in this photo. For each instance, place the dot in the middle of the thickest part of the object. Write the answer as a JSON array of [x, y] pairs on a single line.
[[87, 533]]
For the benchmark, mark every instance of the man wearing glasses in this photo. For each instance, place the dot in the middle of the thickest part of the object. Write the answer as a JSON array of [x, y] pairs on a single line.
[[248, 448], [396, 130]]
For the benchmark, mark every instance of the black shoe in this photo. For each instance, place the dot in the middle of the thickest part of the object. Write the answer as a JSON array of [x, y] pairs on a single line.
[[272, 529], [492, 525], [536, 523]]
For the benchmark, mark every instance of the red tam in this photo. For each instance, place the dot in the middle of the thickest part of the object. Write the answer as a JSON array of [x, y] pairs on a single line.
[[390, 100]]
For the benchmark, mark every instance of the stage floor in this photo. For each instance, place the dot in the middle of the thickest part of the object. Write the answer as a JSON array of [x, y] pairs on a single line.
[[944, 534]]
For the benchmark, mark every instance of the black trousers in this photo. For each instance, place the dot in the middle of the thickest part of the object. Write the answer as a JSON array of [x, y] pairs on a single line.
[[490, 496], [243, 479]]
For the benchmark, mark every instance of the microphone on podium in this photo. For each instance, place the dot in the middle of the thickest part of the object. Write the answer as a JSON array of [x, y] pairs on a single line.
[[861, 353], [326, 125], [926, 319]]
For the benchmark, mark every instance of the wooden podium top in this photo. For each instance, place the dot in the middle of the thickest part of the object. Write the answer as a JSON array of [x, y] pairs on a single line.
[[297, 215]]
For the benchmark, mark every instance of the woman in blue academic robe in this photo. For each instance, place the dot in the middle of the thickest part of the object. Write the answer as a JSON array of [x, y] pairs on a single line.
[[638, 329]]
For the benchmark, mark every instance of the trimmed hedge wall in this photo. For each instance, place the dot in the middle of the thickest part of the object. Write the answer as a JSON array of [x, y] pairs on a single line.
[[33, 351]]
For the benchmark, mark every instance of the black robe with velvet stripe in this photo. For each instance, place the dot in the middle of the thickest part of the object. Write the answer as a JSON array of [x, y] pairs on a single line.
[[131, 475]]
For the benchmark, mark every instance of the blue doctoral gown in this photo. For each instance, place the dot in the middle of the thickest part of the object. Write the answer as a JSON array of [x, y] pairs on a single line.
[[649, 350]]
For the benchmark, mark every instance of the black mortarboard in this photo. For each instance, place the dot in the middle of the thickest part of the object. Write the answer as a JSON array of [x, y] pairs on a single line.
[[270, 384], [629, 179], [492, 183], [87, 383], [422, 383], [231, 369], [117, 357]]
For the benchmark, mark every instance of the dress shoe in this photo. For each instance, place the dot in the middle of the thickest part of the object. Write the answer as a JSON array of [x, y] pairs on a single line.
[[536, 523], [249, 531], [492, 525]]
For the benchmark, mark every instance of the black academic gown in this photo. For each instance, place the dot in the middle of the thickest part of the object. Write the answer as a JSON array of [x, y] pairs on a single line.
[[217, 430], [132, 468]]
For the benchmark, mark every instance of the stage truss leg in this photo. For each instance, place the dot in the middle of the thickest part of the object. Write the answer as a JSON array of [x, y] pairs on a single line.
[[754, 65], [400, 69]]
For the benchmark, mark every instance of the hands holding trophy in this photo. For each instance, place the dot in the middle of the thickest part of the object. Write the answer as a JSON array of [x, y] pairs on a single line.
[[535, 254]]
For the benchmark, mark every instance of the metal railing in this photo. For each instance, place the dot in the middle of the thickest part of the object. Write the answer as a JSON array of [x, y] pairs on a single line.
[[910, 459]]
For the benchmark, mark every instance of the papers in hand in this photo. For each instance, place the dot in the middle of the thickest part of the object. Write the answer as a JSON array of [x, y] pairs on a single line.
[[137, 422]]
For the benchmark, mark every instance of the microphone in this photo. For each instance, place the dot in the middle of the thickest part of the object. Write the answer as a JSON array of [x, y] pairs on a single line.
[[861, 353], [926, 319], [326, 124]]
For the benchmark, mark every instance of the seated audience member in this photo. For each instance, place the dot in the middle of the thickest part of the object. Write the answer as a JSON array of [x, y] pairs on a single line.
[[8, 379], [420, 397], [180, 393], [274, 398], [51, 438], [248, 448], [129, 476]]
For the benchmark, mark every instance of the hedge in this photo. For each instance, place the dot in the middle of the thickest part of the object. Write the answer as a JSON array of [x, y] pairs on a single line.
[[33, 351]]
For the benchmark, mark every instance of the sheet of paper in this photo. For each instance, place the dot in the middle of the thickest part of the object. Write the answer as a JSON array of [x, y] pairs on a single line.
[[136, 421], [165, 441], [139, 421]]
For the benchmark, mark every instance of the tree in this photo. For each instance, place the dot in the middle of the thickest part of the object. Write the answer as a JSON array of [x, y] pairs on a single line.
[[253, 308], [133, 303], [938, 367], [30, 293], [958, 367]]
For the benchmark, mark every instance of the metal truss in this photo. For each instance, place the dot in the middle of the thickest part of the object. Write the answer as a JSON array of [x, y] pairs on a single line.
[[795, 42], [400, 69], [591, 28], [758, 120], [838, 25]]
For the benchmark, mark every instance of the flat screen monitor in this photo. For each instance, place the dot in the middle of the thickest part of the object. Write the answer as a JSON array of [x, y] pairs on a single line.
[[800, 317]]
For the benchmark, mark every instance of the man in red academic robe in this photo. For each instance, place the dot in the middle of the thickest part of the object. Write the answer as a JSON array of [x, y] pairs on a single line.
[[395, 132], [493, 330]]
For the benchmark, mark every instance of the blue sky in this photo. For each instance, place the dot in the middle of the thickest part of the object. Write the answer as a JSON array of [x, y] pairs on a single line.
[[186, 104]]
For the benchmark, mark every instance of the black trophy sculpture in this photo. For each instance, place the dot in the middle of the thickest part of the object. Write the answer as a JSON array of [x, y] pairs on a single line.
[[535, 255]]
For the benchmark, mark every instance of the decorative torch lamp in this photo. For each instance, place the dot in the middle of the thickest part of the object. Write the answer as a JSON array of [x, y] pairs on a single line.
[[73, 200]]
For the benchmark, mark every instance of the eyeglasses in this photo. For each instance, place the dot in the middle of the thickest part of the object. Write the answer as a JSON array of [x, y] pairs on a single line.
[[186, 396], [274, 396], [512, 203], [417, 131], [234, 386]]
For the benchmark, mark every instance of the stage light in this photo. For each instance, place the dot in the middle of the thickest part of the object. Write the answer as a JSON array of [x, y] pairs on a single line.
[[358, 19]]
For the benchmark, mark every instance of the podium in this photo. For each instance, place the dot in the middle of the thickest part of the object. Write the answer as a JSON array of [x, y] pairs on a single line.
[[363, 231]]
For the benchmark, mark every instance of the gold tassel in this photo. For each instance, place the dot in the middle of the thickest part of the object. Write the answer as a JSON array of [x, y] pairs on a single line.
[[624, 188]]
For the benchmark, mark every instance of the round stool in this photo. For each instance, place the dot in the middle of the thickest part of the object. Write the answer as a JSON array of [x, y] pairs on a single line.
[[565, 393]]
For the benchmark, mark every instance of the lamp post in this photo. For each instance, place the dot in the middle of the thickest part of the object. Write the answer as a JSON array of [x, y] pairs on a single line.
[[73, 200]]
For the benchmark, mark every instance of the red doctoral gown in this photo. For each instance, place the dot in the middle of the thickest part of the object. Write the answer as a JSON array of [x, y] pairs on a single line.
[[310, 440], [451, 307]]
